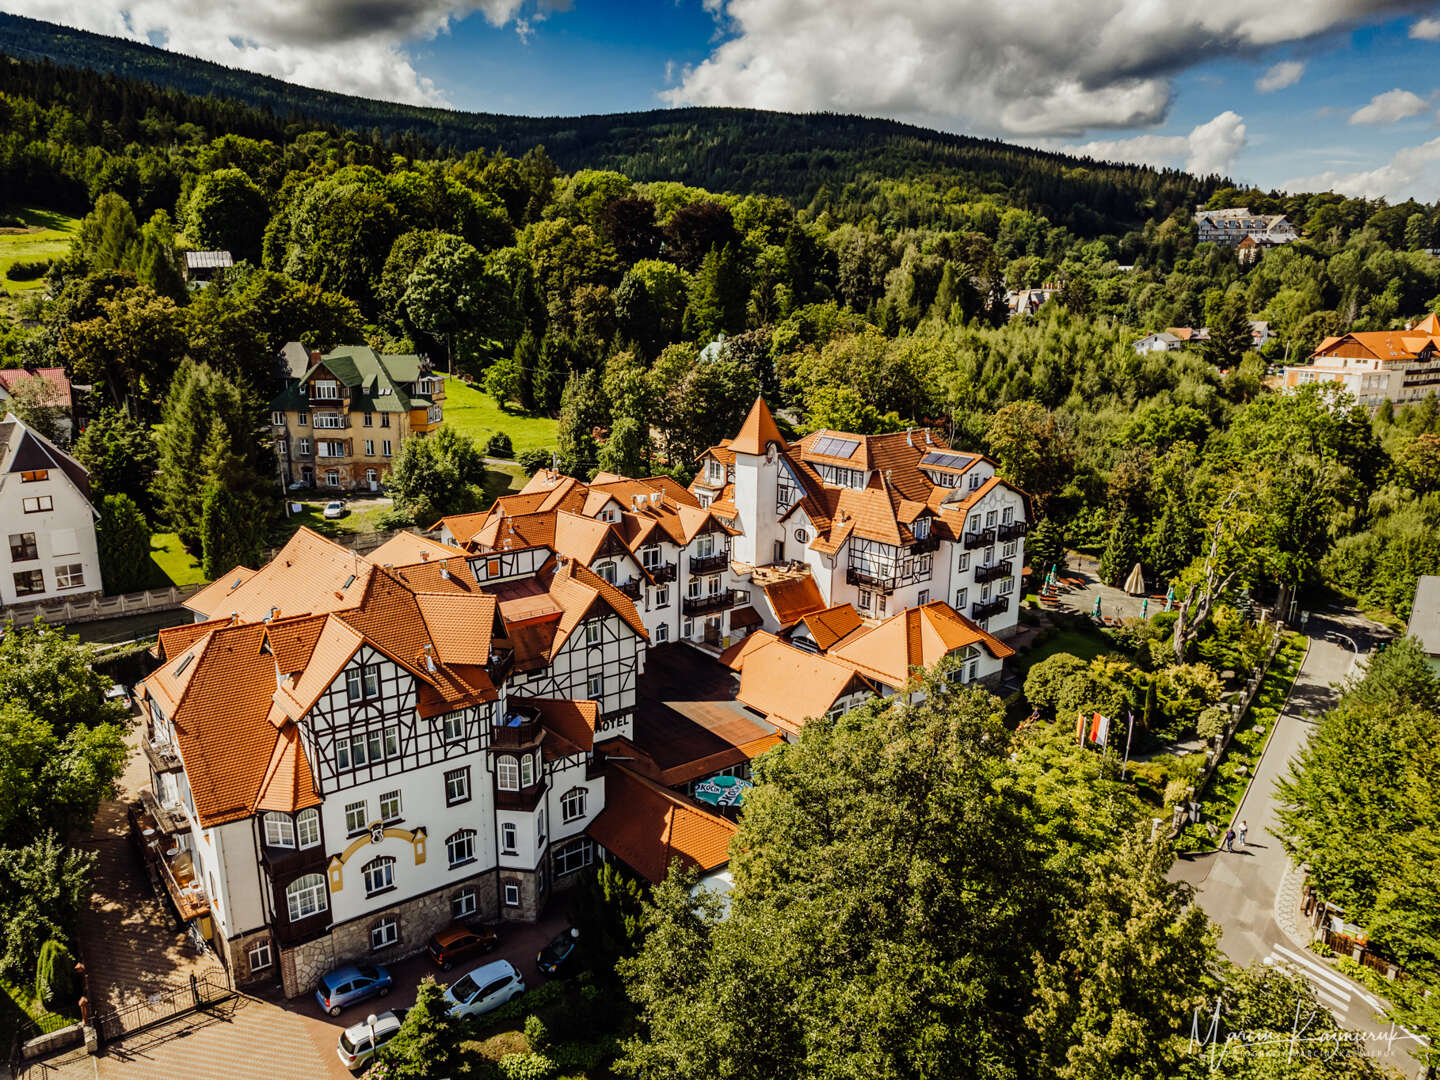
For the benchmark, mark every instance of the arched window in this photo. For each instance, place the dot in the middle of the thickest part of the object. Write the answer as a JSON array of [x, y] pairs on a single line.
[[527, 770], [306, 896], [507, 774], [307, 828], [461, 847], [379, 875], [279, 831], [572, 804]]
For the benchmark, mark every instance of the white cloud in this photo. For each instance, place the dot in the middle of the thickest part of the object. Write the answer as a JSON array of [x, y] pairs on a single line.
[[1209, 148], [1412, 173], [1048, 67], [1426, 30], [1389, 107], [352, 46], [1286, 73]]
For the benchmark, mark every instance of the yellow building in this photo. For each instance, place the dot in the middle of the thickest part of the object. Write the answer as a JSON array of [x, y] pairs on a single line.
[[342, 418]]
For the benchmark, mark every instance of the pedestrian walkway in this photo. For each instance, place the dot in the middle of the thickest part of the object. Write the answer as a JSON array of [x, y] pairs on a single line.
[[129, 938]]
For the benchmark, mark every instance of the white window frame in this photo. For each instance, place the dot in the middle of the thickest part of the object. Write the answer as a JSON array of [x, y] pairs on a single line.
[[507, 773], [509, 838], [384, 933], [277, 419], [279, 831], [460, 847], [355, 825], [70, 575], [595, 687], [662, 633], [566, 861], [464, 903], [592, 629], [572, 804], [460, 776], [527, 770], [310, 887], [307, 829], [512, 895], [392, 797], [327, 390], [379, 875], [259, 955], [385, 445], [454, 727]]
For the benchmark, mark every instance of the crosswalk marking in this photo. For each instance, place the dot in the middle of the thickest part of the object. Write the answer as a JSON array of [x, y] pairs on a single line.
[[1333, 991]]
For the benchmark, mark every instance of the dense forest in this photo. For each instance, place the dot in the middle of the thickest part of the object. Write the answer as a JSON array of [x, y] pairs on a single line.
[[642, 282]]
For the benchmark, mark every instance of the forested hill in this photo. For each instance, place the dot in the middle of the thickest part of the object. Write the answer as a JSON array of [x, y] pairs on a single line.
[[850, 163]]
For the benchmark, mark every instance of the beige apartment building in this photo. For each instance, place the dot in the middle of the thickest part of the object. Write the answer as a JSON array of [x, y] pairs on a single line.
[[340, 421]]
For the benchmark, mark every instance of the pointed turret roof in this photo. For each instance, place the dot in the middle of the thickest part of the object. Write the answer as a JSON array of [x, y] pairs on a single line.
[[758, 430], [1428, 325]]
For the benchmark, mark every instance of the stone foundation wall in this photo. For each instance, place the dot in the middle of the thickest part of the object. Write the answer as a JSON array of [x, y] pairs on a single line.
[[237, 958], [302, 965], [532, 899]]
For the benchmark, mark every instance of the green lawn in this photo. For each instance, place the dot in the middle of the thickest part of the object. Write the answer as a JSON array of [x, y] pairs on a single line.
[[474, 413], [361, 517], [48, 237], [1086, 644], [19, 1004], [173, 564]]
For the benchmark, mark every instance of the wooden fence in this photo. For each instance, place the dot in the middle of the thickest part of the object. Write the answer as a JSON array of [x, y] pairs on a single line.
[[95, 607]]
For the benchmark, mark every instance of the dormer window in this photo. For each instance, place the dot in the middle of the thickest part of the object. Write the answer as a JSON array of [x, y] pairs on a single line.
[[921, 528], [713, 471], [610, 514], [327, 390]]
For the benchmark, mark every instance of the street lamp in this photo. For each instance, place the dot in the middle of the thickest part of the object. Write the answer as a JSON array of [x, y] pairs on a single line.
[[370, 1022], [1353, 647]]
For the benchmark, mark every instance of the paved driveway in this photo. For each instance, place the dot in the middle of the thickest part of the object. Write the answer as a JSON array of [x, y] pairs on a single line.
[[1241, 890]]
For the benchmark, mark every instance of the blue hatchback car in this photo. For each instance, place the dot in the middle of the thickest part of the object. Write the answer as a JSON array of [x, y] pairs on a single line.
[[347, 985]]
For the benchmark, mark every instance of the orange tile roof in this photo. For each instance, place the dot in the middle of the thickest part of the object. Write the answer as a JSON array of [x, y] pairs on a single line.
[[287, 785], [648, 827], [831, 625], [789, 686], [571, 724], [407, 547], [734, 656], [308, 574], [757, 432], [174, 640], [918, 637], [211, 597], [792, 598]]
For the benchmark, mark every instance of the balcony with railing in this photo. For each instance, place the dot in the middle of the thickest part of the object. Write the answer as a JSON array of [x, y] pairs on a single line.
[[661, 572], [994, 571], [986, 608], [983, 538], [704, 605], [870, 578], [519, 726], [924, 544], [500, 664], [709, 564], [1011, 530], [631, 588]]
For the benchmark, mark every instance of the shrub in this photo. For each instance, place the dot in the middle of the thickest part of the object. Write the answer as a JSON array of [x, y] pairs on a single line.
[[526, 1067], [537, 1000], [1043, 683], [583, 1056], [55, 977], [532, 461], [1211, 722], [28, 269], [536, 1033], [499, 445]]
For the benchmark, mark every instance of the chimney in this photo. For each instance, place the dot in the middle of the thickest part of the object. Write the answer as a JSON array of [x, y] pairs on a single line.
[[314, 356], [444, 572], [910, 437]]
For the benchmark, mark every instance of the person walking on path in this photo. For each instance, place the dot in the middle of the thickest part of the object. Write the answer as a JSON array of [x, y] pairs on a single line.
[[1229, 839], [1243, 830]]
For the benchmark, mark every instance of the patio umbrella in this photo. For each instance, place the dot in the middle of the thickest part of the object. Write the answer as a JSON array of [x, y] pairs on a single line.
[[1145, 608], [722, 790], [1135, 583], [1169, 597], [1096, 612]]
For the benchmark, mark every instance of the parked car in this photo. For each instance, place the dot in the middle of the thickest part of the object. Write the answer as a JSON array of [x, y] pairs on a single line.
[[347, 985], [334, 509], [457, 942], [487, 987], [559, 954], [359, 1041]]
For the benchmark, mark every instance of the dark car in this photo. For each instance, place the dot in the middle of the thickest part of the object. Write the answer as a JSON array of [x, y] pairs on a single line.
[[458, 942], [560, 954]]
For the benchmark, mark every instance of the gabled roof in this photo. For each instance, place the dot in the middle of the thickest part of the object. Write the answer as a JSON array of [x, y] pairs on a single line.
[[757, 432], [57, 383], [832, 625], [648, 827], [788, 686], [308, 574], [23, 449], [919, 637], [406, 547], [793, 598], [569, 725]]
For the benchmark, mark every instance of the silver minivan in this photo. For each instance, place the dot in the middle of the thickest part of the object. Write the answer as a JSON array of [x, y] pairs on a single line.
[[486, 987]]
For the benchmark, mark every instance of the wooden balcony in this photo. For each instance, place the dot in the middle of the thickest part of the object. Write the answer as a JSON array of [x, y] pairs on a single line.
[[1002, 569], [704, 605], [983, 610], [925, 544], [870, 579], [1012, 530], [662, 572], [709, 564], [520, 727], [631, 588], [983, 538]]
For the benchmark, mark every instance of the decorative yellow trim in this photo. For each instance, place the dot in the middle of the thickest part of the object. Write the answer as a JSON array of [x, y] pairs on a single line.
[[376, 833]]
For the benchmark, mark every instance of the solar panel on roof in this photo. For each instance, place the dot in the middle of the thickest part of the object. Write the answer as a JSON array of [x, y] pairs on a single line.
[[945, 461], [833, 447]]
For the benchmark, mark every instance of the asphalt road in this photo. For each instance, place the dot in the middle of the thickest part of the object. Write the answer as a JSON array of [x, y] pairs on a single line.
[[1238, 890]]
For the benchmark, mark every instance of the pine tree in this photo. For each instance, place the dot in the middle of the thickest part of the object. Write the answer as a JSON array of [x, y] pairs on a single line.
[[123, 536], [1122, 549], [429, 1040], [717, 301], [582, 410]]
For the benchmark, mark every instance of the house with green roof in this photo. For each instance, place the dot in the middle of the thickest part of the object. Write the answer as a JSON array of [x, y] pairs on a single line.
[[342, 416]]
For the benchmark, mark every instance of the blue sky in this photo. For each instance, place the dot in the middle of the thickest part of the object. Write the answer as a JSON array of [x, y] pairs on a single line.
[[1308, 94]]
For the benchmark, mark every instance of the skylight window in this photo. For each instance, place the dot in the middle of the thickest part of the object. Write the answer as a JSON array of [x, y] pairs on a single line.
[[184, 663]]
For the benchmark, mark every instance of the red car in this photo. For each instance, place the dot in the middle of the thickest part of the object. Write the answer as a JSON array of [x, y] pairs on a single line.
[[457, 942]]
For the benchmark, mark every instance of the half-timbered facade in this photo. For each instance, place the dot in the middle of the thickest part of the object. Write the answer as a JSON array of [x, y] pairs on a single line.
[[345, 764], [882, 522]]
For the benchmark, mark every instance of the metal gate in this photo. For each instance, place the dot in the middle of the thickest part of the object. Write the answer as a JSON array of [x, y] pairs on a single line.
[[202, 991]]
